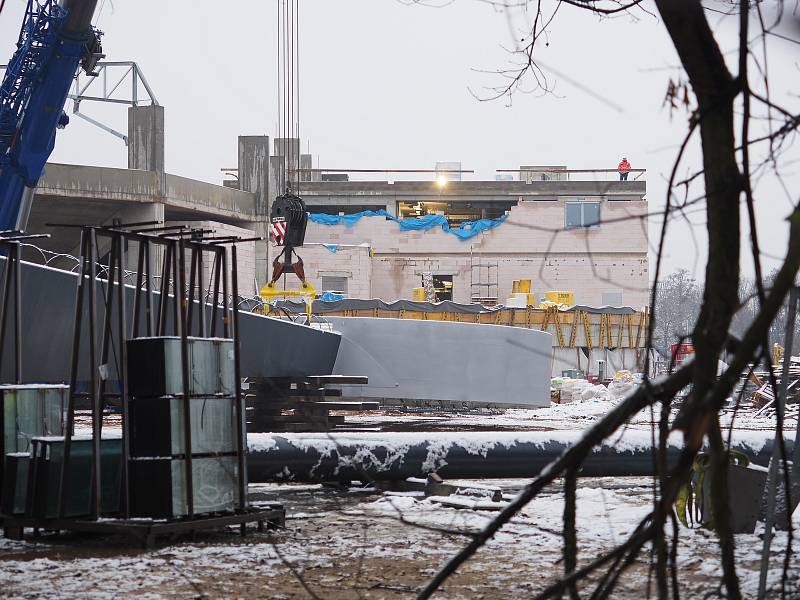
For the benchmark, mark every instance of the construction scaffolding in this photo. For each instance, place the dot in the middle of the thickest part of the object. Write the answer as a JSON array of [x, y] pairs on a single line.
[[484, 280]]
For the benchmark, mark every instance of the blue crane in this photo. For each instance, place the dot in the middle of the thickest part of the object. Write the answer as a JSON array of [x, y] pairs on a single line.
[[56, 39]]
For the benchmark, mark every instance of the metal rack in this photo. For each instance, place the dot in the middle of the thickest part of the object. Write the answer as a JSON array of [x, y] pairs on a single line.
[[179, 313], [10, 246]]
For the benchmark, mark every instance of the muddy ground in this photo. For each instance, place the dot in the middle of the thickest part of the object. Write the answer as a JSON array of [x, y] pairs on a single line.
[[349, 543]]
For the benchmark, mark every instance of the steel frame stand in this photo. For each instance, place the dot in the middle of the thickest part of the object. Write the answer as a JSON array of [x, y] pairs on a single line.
[[774, 470], [175, 242], [10, 246]]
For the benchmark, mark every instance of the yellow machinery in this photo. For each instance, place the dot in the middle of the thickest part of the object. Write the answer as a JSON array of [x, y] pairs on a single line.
[[269, 292], [559, 297], [777, 354]]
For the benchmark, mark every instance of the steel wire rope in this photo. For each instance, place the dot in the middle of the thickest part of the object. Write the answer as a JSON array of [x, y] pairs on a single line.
[[278, 65], [286, 180], [290, 87], [297, 59]]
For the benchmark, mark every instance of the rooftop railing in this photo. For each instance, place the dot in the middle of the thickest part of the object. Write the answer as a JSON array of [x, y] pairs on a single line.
[[560, 174]]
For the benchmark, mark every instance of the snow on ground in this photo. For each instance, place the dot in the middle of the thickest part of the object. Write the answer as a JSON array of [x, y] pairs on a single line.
[[345, 545], [575, 415]]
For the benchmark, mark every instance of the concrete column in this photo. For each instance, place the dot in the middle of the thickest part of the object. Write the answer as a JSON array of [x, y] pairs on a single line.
[[263, 264], [255, 176], [254, 169], [277, 181], [146, 138]]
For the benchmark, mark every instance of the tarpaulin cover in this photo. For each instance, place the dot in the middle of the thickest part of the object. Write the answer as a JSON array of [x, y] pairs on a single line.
[[613, 310], [328, 304], [348, 220], [331, 297], [467, 230], [360, 304]]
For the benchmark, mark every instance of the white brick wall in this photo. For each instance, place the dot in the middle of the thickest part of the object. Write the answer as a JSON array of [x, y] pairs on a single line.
[[245, 253], [531, 244]]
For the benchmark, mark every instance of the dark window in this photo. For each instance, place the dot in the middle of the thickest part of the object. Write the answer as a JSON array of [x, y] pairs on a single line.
[[455, 212], [348, 209], [335, 177], [334, 284], [581, 214]]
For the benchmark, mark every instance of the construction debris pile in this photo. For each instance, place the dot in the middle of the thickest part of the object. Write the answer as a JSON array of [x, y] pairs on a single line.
[[564, 390], [756, 388]]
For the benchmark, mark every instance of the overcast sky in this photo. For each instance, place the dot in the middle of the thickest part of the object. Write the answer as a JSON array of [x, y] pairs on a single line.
[[387, 85]]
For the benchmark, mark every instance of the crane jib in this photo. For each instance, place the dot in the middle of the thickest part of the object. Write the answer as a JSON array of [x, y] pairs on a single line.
[[54, 41]]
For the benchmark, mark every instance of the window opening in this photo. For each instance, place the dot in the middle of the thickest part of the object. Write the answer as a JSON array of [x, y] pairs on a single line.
[[581, 214]]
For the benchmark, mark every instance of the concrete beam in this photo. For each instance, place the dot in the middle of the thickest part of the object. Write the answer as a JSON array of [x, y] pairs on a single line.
[[468, 191], [78, 183]]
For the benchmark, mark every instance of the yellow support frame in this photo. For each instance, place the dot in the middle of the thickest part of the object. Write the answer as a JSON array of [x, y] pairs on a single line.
[[543, 318], [307, 292]]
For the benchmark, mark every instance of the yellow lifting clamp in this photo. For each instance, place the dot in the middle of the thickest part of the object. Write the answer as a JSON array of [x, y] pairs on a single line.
[[307, 292]]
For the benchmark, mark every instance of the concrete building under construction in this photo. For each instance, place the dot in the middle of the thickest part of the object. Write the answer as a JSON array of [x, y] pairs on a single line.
[[563, 229]]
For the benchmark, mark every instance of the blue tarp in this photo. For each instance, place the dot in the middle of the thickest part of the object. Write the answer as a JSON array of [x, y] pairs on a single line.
[[467, 230], [331, 297], [348, 220]]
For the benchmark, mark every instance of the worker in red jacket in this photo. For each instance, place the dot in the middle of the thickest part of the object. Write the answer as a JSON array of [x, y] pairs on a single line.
[[624, 168]]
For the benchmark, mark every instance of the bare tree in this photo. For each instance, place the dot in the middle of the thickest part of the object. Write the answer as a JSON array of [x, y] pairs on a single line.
[[725, 176], [678, 300]]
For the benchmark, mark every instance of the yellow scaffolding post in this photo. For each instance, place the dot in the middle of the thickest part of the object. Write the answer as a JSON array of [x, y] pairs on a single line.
[[573, 333], [587, 329]]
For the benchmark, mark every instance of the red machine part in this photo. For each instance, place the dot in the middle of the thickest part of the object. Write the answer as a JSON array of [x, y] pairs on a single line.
[[681, 352]]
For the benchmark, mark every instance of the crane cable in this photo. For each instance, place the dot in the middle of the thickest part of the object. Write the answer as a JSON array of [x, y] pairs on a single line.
[[288, 91]]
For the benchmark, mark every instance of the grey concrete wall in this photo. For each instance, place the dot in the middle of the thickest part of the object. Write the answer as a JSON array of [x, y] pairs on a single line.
[[73, 182], [146, 138], [207, 199], [444, 361], [270, 347], [104, 184]]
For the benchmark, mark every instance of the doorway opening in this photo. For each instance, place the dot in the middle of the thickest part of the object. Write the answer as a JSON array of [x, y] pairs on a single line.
[[443, 287]]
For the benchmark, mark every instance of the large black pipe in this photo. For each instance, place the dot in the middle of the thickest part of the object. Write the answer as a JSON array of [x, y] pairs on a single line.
[[347, 457], [80, 16]]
